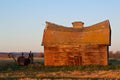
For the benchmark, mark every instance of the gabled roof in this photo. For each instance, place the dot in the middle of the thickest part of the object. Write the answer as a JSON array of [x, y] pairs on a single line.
[[60, 35]]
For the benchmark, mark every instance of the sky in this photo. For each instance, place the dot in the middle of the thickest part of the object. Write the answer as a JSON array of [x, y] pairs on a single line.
[[22, 22]]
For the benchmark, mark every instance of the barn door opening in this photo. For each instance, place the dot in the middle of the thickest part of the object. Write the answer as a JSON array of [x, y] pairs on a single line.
[[77, 60]]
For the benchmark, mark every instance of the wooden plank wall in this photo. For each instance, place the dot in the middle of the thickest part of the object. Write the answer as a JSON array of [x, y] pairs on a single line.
[[75, 55]]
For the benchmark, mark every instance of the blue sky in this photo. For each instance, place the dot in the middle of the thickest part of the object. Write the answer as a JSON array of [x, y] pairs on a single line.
[[22, 21]]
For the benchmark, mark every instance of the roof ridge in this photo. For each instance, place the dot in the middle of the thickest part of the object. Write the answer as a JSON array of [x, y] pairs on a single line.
[[51, 23]]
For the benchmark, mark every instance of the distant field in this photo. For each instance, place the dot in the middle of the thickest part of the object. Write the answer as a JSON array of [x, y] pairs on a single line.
[[10, 60], [5, 58]]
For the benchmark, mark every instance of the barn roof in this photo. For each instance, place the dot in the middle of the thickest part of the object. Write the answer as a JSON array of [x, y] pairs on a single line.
[[61, 35]]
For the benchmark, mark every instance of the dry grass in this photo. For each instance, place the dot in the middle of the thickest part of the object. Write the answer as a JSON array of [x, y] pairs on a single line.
[[9, 70]]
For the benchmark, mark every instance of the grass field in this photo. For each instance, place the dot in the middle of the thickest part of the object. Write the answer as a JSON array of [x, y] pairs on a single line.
[[9, 70], [113, 61]]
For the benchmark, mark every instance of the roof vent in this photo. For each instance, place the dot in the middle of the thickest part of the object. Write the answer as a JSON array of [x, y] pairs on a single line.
[[78, 24]]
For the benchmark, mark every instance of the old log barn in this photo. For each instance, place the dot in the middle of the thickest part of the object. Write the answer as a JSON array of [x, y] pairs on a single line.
[[76, 45]]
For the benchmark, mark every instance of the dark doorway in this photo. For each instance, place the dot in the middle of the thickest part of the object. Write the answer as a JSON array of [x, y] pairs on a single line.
[[77, 60]]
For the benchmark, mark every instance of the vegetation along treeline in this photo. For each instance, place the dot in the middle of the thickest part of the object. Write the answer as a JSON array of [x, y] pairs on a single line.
[[114, 54]]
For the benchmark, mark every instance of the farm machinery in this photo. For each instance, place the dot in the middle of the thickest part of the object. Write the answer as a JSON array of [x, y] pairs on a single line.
[[22, 60]]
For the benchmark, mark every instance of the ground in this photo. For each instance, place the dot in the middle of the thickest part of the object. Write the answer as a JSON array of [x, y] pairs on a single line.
[[9, 70]]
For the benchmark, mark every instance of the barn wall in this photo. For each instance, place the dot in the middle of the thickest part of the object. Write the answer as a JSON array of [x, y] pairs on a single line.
[[75, 55]]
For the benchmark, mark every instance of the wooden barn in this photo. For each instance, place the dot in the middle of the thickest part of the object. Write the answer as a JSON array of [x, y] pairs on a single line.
[[77, 45]]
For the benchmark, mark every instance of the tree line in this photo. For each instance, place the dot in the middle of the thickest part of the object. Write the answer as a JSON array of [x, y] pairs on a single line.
[[114, 54]]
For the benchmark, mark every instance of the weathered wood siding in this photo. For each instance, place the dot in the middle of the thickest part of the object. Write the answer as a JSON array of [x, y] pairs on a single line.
[[75, 55]]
